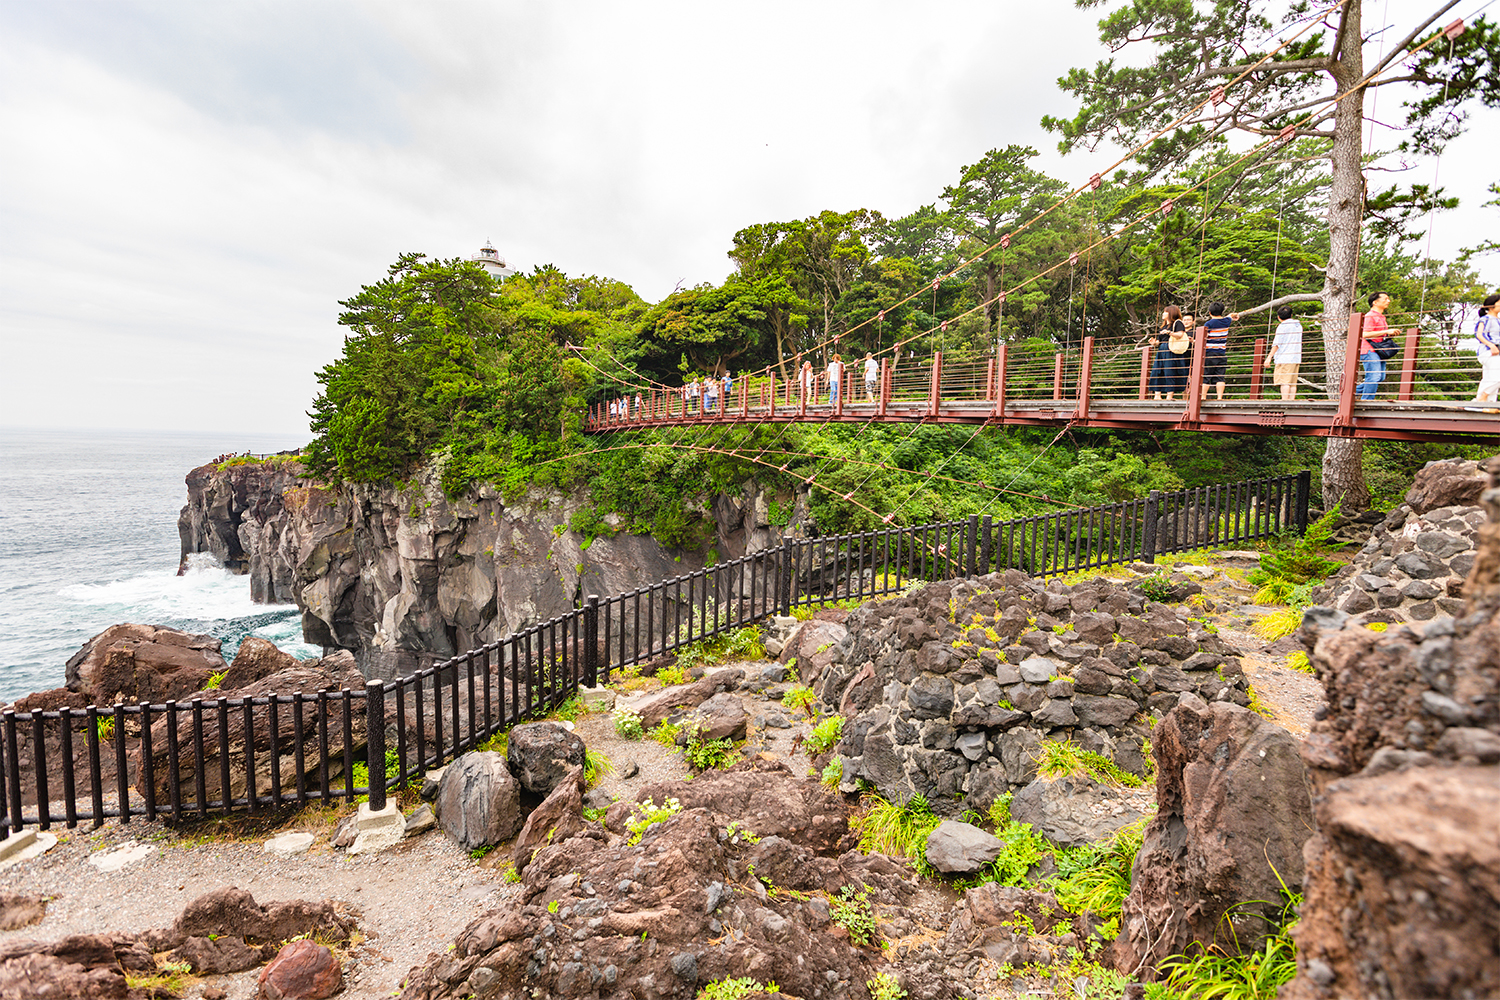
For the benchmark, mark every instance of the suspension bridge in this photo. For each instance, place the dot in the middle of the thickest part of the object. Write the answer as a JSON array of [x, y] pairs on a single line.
[[1424, 397]]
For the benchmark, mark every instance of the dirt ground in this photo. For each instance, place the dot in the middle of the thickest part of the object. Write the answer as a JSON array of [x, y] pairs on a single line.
[[415, 898]]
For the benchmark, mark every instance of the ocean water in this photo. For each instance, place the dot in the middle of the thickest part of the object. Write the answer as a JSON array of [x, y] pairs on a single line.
[[88, 538]]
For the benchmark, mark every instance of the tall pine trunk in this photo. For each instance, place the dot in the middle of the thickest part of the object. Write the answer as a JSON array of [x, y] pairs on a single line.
[[1343, 459]]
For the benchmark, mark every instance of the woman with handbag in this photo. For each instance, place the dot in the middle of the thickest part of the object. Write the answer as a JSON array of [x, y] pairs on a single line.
[[1161, 365], [1179, 358]]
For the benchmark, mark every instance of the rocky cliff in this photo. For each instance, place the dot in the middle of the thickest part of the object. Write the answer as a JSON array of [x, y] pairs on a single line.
[[403, 576]]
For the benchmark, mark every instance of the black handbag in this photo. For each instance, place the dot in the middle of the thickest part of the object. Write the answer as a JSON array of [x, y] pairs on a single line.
[[1385, 348]]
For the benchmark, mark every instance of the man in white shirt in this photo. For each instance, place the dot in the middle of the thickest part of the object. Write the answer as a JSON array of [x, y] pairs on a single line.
[[835, 372], [872, 373], [1286, 353]]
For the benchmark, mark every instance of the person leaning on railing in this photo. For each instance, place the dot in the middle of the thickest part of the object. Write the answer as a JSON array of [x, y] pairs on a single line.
[[1286, 353]]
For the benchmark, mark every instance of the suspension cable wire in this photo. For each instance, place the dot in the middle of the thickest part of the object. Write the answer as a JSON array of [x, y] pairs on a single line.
[[942, 465], [1036, 458]]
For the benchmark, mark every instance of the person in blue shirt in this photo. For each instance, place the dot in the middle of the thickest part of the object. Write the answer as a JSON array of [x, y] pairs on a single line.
[[1216, 349]]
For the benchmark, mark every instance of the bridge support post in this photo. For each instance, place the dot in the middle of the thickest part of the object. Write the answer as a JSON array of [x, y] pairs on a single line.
[[885, 385], [1343, 423], [1195, 387], [1057, 375], [1085, 377], [1409, 365], [1145, 370], [374, 742], [1258, 368], [1001, 357], [591, 641], [989, 379], [1148, 526], [1304, 489], [935, 396]]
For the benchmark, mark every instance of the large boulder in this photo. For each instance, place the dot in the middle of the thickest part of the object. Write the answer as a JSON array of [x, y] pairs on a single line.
[[1422, 843], [133, 663], [1072, 810], [615, 920], [479, 800], [83, 966], [961, 848], [540, 755], [764, 797], [673, 700], [559, 817], [302, 970], [256, 658], [1452, 482], [721, 717], [1233, 814], [308, 676]]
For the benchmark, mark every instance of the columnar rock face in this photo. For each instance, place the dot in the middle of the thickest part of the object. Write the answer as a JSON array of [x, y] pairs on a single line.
[[952, 689], [1232, 814], [1403, 873], [390, 573]]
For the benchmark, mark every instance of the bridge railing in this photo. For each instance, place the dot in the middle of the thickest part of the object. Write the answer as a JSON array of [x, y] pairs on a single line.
[[1430, 366], [186, 759]]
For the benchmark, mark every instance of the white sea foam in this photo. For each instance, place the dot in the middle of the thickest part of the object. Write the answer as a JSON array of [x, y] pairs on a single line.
[[206, 591]]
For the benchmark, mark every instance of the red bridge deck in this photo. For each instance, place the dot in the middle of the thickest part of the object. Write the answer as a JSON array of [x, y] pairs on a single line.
[[1103, 388]]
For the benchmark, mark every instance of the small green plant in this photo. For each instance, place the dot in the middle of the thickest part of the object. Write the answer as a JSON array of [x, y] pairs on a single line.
[[627, 723], [779, 514], [1279, 623], [552, 906], [1158, 587], [1215, 973], [704, 754], [851, 910], [833, 774], [104, 726], [672, 675], [214, 680], [1297, 660], [896, 831], [1377, 626], [647, 814], [361, 772], [171, 980], [1303, 561], [826, 734], [665, 733], [1259, 707], [508, 873], [800, 698], [735, 989], [498, 743], [1095, 878], [481, 851], [570, 710], [596, 764], [737, 833], [1060, 758], [885, 986]]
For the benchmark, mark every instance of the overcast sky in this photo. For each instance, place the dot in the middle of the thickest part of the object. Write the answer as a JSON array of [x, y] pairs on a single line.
[[187, 189]]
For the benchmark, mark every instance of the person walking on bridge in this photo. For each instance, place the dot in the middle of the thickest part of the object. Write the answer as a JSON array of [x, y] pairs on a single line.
[[1371, 363], [835, 373], [872, 373], [1286, 353], [807, 381]]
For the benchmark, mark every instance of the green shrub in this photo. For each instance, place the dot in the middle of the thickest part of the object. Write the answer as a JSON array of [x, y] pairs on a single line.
[[897, 831], [665, 733], [1278, 624], [885, 986], [1297, 660], [1303, 561], [1095, 878], [673, 675], [851, 910], [647, 814], [735, 989], [214, 680], [1060, 758], [704, 754], [1157, 587], [628, 723], [595, 766], [801, 698], [826, 734], [833, 774]]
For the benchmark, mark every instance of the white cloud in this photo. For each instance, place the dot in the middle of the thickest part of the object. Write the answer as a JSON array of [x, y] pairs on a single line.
[[189, 189]]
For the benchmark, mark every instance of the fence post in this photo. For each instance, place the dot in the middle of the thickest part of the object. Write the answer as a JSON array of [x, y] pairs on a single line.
[[784, 578], [984, 543], [375, 742], [971, 543], [1304, 489], [591, 640], [1148, 531]]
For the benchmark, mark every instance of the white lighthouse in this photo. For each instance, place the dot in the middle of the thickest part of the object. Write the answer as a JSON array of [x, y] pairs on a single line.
[[489, 258]]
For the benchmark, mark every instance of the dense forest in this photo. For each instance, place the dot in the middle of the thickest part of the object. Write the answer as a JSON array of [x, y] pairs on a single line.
[[489, 379]]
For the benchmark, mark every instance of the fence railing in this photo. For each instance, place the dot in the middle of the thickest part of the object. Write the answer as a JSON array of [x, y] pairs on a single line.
[[189, 759]]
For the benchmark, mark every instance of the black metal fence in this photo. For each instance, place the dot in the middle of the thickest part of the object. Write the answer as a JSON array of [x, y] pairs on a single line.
[[186, 760]]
